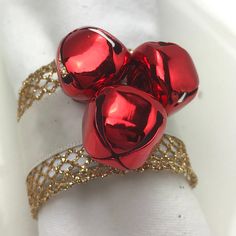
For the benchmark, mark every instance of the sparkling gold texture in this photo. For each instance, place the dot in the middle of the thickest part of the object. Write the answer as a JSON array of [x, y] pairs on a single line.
[[74, 165], [62, 69], [42, 81]]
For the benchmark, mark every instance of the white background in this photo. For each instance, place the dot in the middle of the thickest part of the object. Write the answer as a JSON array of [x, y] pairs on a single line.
[[207, 29]]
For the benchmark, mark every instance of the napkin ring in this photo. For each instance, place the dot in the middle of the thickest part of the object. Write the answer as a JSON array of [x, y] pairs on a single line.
[[125, 123]]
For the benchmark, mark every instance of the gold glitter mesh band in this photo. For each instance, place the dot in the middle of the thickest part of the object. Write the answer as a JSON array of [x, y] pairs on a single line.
[[74, 165], [42, 81]]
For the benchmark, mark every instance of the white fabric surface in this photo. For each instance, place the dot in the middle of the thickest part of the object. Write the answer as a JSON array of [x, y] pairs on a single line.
[[55, 123], [148, 204]]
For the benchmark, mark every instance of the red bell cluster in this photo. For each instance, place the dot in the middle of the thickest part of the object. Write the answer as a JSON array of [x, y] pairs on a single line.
[[123, 123]]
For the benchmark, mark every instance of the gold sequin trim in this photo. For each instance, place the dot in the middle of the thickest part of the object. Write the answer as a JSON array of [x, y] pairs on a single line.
[[42, 81], [74, 165]]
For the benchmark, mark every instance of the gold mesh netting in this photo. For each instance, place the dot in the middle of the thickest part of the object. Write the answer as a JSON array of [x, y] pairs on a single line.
[[74, 165], [42, 81]]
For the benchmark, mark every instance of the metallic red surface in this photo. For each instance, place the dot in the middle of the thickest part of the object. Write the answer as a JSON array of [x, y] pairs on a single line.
[[122, 125], [166, 71], [93, 58]]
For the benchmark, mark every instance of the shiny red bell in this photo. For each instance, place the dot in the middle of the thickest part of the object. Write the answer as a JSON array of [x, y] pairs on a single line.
[[122, 125], [89, 59], [166, 71]]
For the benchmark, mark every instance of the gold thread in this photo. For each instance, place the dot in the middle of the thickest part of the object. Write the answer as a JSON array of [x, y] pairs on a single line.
[[62, 69], [42, 81], [74, 165]]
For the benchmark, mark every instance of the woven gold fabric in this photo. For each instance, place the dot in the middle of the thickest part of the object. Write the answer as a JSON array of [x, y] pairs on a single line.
[[74, 165]]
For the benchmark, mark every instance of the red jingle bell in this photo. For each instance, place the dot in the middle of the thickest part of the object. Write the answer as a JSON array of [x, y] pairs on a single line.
[[122, 125], [166, 71], [89, 59]]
